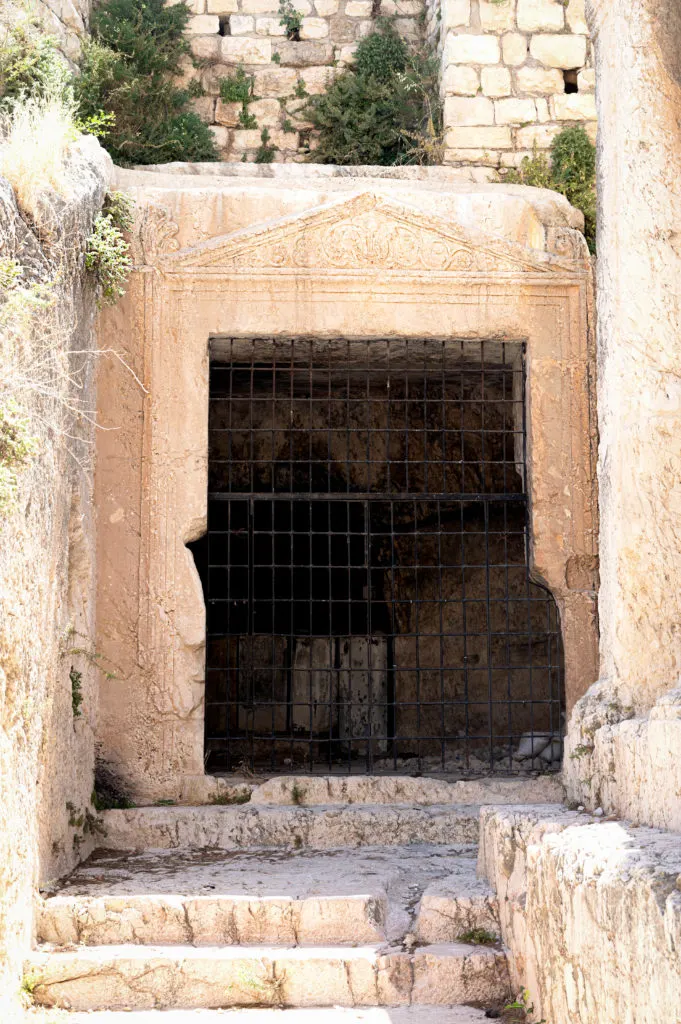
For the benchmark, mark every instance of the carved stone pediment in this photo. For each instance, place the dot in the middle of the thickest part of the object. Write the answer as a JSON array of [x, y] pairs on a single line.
[[366, 233]]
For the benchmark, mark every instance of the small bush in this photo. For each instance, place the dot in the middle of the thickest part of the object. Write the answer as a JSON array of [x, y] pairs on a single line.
[[570, 171], [129, 68], [17, 445], [384, 110], [107, 255], [76, 678], [30, 64], [264, 154], [291, 19]]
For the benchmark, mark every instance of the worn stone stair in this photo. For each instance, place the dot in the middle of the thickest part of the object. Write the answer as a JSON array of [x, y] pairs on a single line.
[[340, 911]]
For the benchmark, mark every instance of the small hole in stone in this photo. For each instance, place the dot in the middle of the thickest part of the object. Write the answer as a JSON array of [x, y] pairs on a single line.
[[224, 25], [570, 79]]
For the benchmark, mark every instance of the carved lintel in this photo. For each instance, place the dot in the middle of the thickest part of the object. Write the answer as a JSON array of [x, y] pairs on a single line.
[[154, 236]]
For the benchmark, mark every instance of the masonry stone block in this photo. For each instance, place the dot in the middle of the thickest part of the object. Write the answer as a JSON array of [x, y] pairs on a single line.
[[266, 111], [514, 49], [542, 106], [259, 6], [241, 24], [576, 17], [326, 8], [559, 51], [203, 25], [227, 114], [221, 136], [537, 135], [460, 49], [586, 80], [358, 8], [456, 13], [205, 47], [314, 28], [299, 55], [514, 111], [479, 138], [346, 54], [575, 106], [496, 16], [496, 81], [541, 15], [222, 6], [237, 50], [317, 80], [472, 156], [468, 111], [460, 80], [539, 81], [269, 26], [274, 81]]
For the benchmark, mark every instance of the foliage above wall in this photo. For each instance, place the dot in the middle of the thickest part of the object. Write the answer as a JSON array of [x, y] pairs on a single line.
[[384, 109], [129, 67], [571, 171]]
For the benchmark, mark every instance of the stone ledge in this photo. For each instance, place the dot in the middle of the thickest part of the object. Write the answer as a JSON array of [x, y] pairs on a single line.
[[567, 885]]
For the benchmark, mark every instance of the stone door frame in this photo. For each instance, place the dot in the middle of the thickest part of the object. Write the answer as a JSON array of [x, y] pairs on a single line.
[[258, 284]]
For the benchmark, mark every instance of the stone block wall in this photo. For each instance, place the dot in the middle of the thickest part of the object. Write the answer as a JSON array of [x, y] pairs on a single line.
[[248, 34], [514, 74]]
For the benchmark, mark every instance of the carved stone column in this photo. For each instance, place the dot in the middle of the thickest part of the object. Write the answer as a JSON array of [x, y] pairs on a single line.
[[638, 61]]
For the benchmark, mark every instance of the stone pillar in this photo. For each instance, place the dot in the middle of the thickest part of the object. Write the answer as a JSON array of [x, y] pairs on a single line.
[[638, 67]]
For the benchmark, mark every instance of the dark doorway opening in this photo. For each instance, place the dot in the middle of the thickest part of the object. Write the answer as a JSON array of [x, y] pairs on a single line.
[[369, 600]]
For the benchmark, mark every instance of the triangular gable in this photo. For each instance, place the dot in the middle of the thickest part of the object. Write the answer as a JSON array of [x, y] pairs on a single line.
[[366, 232]]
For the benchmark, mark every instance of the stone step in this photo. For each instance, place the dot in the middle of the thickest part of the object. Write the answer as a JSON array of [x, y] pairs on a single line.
[[320, 828], [314, 1015], [312, 790], [458, 907], [216, 897], [160, 977]]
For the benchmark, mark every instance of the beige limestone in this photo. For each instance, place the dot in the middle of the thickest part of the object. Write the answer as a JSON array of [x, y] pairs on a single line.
[[204, 24], [287, 898], [47, 563], [541, 15], [539, 81], [245, 51], [477, 111], [473, 138], [623, 737], [337, 1015], [573, 107], [241, 24], [594, 903], [460, 80], [465, 49], [514, 49], [496, 81], [497, 17], [559, 51], [233, 828], [166, 976], [514, 111], [152, 716], [456, 13]]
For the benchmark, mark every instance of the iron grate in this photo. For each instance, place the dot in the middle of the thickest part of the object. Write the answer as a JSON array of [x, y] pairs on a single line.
[[369, 600]]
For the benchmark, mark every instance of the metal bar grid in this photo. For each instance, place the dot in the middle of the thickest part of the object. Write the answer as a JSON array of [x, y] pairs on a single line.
[[369, 601]]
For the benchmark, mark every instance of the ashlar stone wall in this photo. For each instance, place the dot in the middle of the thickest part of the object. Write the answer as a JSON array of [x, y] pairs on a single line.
[[514, 74], [230, 34]]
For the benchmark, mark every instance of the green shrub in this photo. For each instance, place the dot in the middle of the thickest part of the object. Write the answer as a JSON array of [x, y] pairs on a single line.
[[129, 68], [570, 171], [383, 110], [30, 64], [76, 678], [290, 19], [17, 445], [107, 255], [264, 154]]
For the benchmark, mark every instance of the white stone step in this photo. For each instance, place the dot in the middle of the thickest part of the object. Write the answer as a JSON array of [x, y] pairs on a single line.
[[457, 905], [217, 897], [320, 828], [145, 977], [316, 790], [314, 1015]]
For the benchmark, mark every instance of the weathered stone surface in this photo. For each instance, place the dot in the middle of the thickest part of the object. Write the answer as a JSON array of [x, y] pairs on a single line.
[[386, 789], [559, 51], [457, 904], [241, 24], [140, 977], [456, 13], [255, 897], [231, 828], [496, 81], [541, 15], [203, 25], [599, 879], [398, 1015], [458, 79], [497, 17], [466, 111], [463, 49], [245, 51], [539, 81], [514, 49], [514, 111], [574, 107], [298, 55]]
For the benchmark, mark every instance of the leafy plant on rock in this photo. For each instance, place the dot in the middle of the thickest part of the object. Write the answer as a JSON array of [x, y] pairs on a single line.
[[291, 19], [571, 171], [107, 255], [384, 109], [129, 68]]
